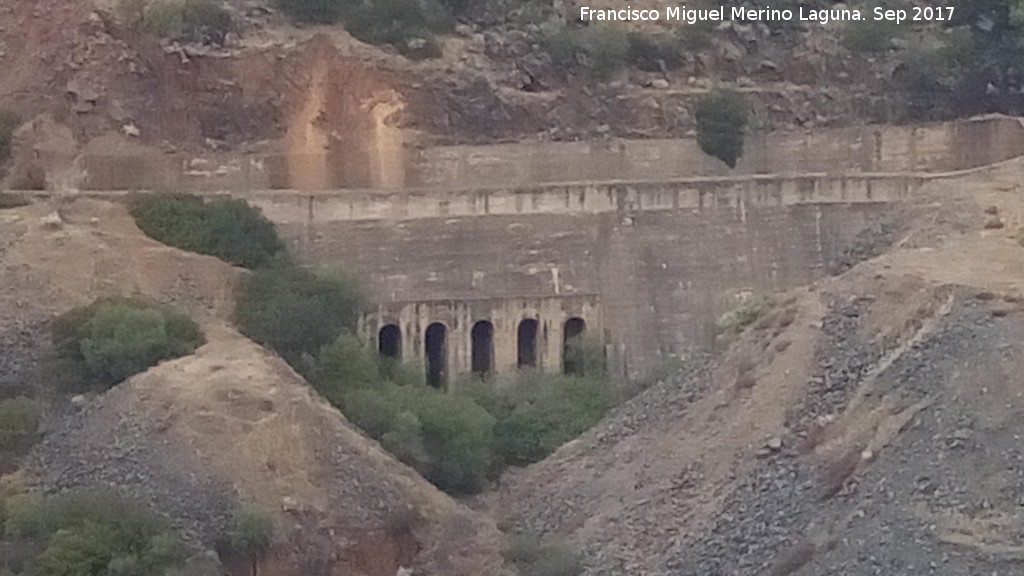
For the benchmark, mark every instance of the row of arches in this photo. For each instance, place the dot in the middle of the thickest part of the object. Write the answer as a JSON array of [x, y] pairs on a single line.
[[435, 346]]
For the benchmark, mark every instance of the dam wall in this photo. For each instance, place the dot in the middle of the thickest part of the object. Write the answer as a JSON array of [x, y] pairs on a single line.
[[937, 147], [488, 258], [645, 267]]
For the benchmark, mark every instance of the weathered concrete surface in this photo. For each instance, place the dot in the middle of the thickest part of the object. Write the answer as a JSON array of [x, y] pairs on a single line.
[[648, 265], [647, 258], [391, 165]]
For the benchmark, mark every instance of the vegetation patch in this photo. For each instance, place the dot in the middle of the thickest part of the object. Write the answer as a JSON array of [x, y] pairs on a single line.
[[535, 413], [869, 36], [89, 534], [295, 311], [8, 200], [745, 314], [446, 437], [201, 21], [599, 50], [102, 344], [457, 440], [408, 25], [9, 122], [722, 117], [655, 52], [226, 228], [533, 557], [19, 428], [251, 532]]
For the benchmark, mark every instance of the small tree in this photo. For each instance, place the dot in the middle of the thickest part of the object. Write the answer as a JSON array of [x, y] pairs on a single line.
[[296, 311], [251, 532], [9, 122], [722, 118], [114, 338]]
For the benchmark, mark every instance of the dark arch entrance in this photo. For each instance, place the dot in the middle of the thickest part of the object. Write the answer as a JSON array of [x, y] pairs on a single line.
[[483, 347], [572, 350], [436, 352], [389, 342], [527, 342]]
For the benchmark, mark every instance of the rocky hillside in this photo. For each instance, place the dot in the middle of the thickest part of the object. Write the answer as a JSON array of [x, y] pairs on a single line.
[[82, 70], [868, 425], [230, 424]]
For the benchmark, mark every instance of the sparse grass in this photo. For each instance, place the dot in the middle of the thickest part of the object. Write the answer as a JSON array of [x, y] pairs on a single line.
[[226, 228], [532, 557], [99, 345], [203, 21], [745, 314]]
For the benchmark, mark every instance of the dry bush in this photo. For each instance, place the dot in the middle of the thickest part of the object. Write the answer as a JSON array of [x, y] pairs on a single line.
[[793, 559], [836, 473], [787, 317], [745, 381]]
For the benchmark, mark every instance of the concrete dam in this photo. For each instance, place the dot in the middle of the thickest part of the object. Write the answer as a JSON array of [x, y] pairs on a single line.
[[488, 258]]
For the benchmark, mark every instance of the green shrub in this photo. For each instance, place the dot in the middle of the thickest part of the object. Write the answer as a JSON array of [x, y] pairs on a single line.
[[408, 25], [585, 357], [655, 52], [251, 532], [12, 201], [869, 36], [447, 437], [9, 122], [19, 425], [532, 557], [22, 517], [746, 313], [314, 11], [91, 534], [722, 117], [112, 339], [536, 413], [600, 50], [295, 311], [228, 229], [186, 20]]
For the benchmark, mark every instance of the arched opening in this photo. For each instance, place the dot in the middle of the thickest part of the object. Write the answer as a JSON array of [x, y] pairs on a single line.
[[527, 342], [573, 360], [389, 342], [436, 352], [483, 347]]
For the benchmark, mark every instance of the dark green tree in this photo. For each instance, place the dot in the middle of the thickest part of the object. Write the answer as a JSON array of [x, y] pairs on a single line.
[[722, 117]]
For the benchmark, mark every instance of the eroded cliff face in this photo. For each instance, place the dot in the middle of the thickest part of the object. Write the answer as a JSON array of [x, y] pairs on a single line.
[[316, 92]]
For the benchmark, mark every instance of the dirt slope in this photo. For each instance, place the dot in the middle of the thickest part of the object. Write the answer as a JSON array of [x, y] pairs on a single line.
[[867, 426], [231, 423], [55, 256]]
